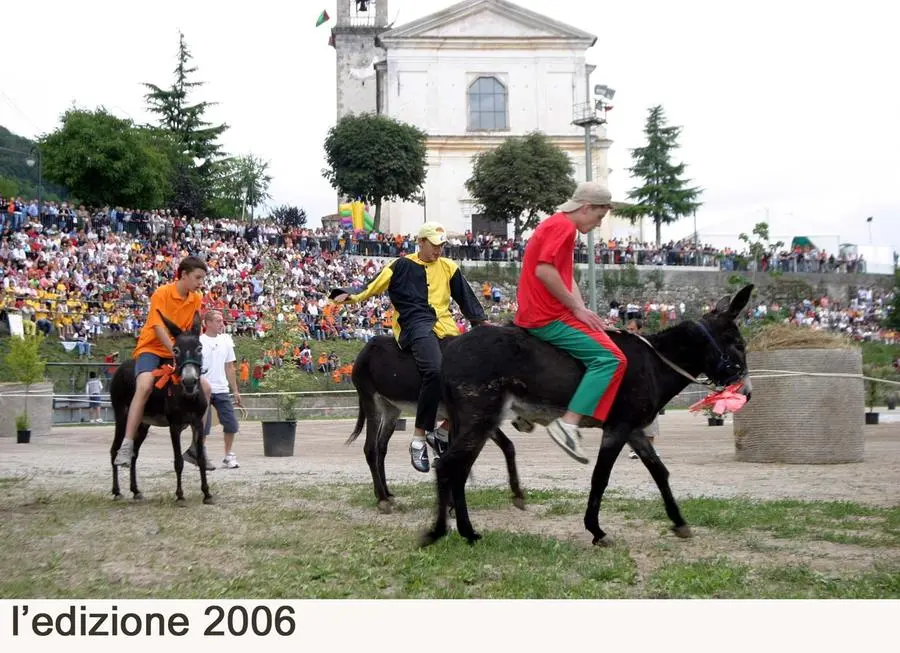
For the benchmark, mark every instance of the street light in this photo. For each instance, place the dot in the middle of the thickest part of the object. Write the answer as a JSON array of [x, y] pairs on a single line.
[[30, 161], [586, 116], [869, 221], [244, 191]]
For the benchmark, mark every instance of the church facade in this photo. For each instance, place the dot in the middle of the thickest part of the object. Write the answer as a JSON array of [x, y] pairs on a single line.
[[469, 76]]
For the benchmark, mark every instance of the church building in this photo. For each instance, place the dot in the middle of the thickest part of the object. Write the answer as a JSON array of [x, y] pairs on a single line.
[[469, 76]]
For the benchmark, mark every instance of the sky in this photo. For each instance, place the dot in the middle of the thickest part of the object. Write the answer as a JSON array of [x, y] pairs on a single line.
[[790, 109]]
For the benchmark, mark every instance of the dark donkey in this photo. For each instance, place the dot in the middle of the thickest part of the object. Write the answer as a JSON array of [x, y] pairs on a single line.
[[179, 403], [482, 371], [386, 381]]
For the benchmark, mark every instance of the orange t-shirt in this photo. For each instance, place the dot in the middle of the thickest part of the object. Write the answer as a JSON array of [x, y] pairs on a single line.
[[177, 309]]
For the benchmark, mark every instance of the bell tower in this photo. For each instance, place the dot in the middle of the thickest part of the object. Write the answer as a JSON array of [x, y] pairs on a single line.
[[353, 36]]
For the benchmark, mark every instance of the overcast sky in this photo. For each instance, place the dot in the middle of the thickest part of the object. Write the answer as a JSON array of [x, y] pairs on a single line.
[[790, 107]]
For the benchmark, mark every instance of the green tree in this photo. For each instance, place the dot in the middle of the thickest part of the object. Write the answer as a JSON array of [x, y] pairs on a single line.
[[892, 321], [195, 139], [375, 158], [760, 246], [665, 195], [289, 216], [26, 364], [521, 179], [104, 160], [235, 175]]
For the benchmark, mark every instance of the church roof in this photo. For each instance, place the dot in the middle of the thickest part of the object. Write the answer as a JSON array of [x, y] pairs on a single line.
[[495, 20]]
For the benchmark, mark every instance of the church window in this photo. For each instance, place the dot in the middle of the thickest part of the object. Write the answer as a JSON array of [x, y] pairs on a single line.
[[487, 105]]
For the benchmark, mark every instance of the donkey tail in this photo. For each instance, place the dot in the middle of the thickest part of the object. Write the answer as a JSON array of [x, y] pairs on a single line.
[[360, 422]]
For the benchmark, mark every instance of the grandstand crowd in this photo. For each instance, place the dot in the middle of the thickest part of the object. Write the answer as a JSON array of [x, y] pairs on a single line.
[[78, 273]]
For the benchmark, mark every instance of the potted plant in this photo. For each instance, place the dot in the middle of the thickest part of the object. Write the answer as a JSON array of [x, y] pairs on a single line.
[[23, 429], [26, 366], [873, 391], [713, 418], [279, 433]]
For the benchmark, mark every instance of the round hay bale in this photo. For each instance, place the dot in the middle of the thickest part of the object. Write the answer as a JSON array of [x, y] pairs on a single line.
[[802, 419]]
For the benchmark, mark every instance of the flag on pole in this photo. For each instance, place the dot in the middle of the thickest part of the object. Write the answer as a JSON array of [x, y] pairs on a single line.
[[331, 40], [323, 18]]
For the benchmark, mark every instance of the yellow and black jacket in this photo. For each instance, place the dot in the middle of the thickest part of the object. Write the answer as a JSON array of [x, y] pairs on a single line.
[[421, 294]]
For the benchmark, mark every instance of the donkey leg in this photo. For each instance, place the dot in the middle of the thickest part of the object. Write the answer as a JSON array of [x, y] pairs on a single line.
[[175, 436], [660, 474], [374, 451], [465, 458], [117, 442], [200, 439], [610, 447], [509, 452], [138, 441]]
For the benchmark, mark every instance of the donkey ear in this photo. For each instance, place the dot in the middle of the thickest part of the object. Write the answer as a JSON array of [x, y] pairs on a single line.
[[195, 325], [740, 301], [723, 306], [171, 326]]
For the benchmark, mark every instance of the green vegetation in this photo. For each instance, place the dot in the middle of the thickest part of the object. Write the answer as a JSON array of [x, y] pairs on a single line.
[[287, 540]]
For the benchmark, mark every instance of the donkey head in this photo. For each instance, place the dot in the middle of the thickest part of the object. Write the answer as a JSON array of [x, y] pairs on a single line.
[[725, 361], [188, 354]]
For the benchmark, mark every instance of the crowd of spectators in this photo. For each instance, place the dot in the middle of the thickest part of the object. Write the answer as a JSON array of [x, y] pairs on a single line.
[[79, 273]]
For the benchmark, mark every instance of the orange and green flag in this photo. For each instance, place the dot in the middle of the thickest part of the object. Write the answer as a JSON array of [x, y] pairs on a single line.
[[323, 18]]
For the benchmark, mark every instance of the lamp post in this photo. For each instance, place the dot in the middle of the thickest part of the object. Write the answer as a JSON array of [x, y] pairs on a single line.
[[586, 116], [30, 161], [869, 221], [244, 191]]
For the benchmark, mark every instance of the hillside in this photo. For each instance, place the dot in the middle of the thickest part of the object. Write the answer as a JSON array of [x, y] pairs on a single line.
[[16, 177]]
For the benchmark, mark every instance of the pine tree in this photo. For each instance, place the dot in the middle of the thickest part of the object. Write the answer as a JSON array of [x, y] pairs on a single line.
[[664, 196], [195, 140]]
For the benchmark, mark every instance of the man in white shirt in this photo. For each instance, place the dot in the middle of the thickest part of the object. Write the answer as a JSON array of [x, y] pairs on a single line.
[[218, 370]]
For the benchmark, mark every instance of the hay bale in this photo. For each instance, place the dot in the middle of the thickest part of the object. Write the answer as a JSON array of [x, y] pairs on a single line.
[[802, 419]]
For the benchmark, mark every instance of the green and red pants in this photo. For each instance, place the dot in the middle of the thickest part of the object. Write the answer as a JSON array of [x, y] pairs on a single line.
[[604, 362]]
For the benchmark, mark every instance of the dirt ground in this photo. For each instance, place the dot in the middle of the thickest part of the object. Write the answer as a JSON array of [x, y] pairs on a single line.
[[700, 460]]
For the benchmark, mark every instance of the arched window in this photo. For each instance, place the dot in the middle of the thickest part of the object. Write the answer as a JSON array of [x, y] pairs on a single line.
[[487, 104]]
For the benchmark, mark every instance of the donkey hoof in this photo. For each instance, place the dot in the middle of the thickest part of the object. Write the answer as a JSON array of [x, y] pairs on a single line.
[[385, 507], [117, 497], [472, 537], [209, 501], [392, 499], [683, 531], [138, 496], [430, 537], [519, 502], [606, 541]]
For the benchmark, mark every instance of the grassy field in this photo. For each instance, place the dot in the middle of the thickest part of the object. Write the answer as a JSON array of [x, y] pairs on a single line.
[[290, 541]]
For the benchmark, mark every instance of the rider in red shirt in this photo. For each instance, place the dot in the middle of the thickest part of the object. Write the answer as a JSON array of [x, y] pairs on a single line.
[[552, 309]]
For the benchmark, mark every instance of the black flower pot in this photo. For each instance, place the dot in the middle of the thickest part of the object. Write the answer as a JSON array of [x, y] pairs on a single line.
[[278, 439], [715, 421], [871, 418], [23, 437]]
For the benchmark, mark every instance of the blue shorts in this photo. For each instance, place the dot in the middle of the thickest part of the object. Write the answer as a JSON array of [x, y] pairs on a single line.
[[225, 410], [147, 362], [95, 401]]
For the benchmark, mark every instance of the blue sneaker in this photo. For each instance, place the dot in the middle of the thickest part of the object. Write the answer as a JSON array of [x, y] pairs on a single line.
[[418, 453]]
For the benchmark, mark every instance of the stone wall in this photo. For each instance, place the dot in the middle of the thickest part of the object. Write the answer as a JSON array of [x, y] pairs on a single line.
[[694, 286], [40, 408]]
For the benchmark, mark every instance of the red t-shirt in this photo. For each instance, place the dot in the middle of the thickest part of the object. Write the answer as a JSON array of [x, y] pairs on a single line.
[[552, 242]]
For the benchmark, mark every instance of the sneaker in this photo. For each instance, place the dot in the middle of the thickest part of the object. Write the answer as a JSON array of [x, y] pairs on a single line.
[[567, 437], [123, 456], [191, 457], [230, 461], [418, 453], [439, 441]]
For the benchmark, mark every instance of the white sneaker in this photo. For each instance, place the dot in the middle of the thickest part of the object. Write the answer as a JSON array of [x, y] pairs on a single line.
[[568, 438], [123, 456], [230, 461]]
